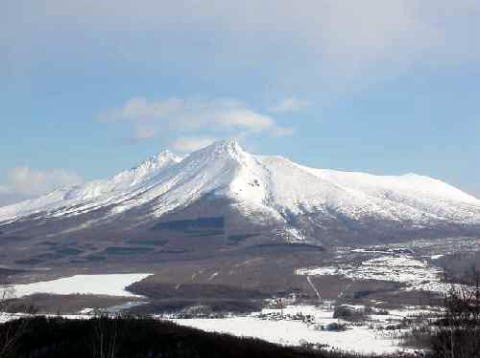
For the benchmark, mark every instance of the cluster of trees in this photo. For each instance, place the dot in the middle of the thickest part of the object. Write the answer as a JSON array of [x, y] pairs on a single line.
[[458, 333], [10, 336]]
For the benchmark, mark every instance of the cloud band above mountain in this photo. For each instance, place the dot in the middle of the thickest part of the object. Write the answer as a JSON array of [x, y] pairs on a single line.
[[204, 118]]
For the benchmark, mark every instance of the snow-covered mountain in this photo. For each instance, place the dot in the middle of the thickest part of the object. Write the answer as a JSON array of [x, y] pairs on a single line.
[[253, 194]]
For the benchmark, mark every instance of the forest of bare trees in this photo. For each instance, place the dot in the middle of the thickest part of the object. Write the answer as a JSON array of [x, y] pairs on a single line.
[[458, 334]]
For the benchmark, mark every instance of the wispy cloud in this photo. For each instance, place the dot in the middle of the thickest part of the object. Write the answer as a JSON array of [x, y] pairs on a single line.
[[290, 104], [190, 144], [144, 132], [25, 182], [180, 117]]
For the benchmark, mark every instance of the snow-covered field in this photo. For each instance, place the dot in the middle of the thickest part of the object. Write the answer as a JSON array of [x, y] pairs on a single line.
[[111, 284], [415, 273], [297, 325]]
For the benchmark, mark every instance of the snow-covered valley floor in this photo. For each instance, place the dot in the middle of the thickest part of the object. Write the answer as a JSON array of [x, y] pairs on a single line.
[[109, 284], [301, 325], [378, 331], [298, 325], [414, 273]]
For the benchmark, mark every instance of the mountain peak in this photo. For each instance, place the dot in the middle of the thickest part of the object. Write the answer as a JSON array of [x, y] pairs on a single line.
[[230, 144], [158, 161], [167, 157], [229, 147]]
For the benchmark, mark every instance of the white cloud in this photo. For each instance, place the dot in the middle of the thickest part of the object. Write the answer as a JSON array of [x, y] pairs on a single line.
[[190, 144], [142, 133], [140, 109], [25, 181], [245, 119], [184, 117], [290, 104]]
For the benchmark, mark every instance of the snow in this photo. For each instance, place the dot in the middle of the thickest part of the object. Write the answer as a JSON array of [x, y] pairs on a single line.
[[5, 317], [283, 326], [94, 194], [212, 276], [294, 333], [109, 284], [264, 187], [87, 310], [414, 273], [318, 271]]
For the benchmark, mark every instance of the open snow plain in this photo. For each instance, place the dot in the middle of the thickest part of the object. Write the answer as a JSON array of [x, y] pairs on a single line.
[[110, 285], [299, 325]]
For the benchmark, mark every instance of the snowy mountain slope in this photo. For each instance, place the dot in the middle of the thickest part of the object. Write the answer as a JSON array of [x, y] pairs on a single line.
[[95, 193], [298, 199], [399, 198]]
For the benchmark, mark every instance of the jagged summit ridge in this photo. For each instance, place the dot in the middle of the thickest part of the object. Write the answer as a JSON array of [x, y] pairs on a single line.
[[229, 148]]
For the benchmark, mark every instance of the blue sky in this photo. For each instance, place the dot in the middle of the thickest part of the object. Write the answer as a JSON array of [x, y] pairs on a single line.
[[90, 88]]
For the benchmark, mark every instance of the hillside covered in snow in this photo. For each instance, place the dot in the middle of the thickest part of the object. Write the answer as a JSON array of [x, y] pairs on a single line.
[[250, 197]]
